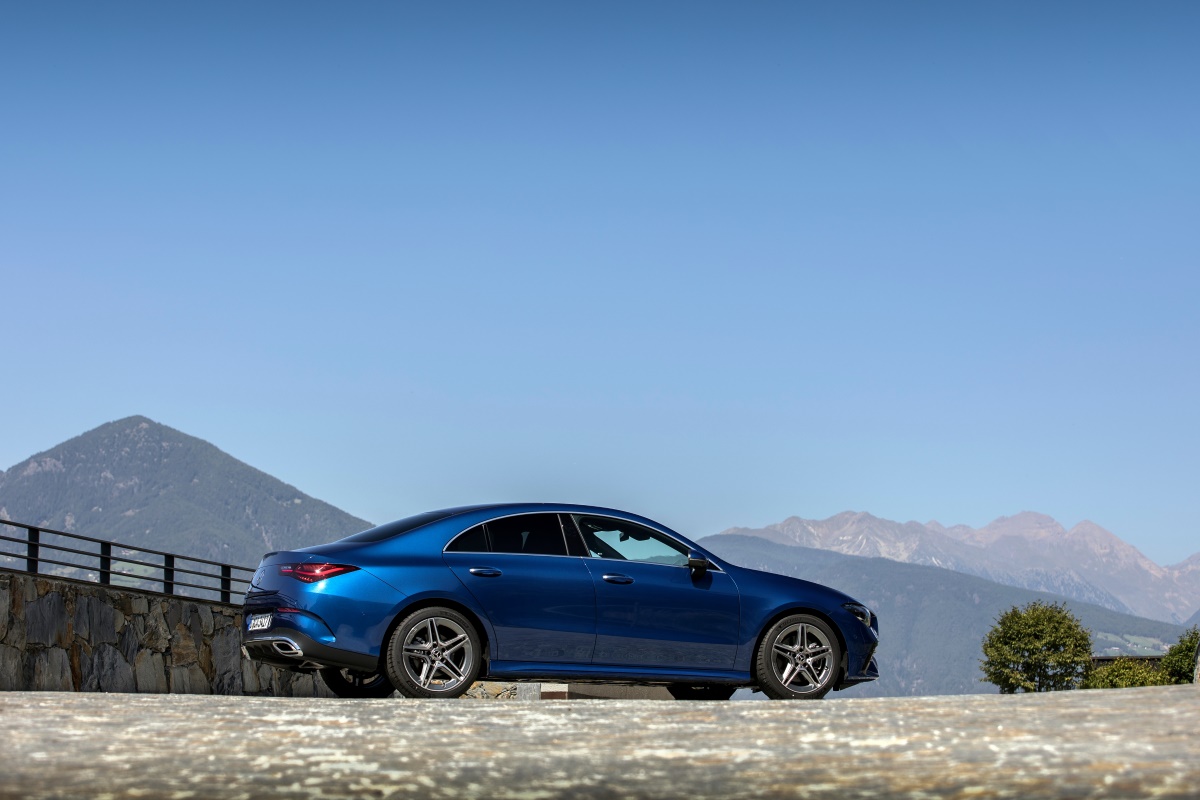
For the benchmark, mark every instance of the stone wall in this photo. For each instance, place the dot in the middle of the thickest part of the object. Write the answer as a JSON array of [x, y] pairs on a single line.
[[62, 635]]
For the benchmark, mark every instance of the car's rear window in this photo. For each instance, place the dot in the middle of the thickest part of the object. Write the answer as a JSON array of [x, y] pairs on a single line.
[[401, 526], [472, 541]]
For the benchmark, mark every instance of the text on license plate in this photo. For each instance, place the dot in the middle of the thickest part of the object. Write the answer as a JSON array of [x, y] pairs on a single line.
[[259, 622]]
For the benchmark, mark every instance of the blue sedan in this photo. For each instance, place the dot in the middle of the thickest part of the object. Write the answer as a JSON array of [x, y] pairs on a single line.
[[523, 592]]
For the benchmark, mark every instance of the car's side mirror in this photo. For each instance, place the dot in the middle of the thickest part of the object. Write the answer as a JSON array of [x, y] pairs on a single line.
[[698, 564]]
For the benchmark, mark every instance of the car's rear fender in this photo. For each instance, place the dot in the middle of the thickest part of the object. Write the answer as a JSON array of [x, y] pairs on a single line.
[[351, 608], [402, 566]]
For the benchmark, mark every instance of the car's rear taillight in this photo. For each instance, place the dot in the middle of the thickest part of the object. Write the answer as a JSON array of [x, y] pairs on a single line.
[[311, 572]]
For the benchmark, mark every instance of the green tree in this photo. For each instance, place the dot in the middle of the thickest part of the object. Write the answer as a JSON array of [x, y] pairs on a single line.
[[1125, 673], [1042, 647], [1179, 664]]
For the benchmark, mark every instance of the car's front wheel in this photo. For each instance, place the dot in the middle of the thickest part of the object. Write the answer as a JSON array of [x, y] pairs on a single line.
[[434, 652], [351, 683], [688, 691], [799, 659]]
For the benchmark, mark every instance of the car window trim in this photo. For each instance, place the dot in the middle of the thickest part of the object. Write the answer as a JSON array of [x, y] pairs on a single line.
[[715, 566]]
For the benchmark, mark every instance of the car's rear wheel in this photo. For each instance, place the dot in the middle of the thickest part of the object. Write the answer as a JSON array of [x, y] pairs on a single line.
[[687, 691], [351, 683], [799, 659], [434, 652]]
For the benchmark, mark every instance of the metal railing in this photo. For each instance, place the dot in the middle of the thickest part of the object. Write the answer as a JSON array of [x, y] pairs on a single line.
[[174, 573]]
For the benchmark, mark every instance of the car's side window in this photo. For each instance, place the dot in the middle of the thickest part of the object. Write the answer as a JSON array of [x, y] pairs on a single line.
[[532, 534], [606, 537], [473, 540]]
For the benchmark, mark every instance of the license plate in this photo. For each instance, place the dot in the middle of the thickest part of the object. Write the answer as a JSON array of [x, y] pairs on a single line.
[[259, 622]]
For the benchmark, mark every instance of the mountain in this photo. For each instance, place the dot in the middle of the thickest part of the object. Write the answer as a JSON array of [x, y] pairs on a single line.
[[138, 482], [1028, 550], [932, 620]]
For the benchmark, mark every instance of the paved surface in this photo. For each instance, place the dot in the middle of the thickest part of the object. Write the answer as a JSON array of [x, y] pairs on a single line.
[[1130, 743]]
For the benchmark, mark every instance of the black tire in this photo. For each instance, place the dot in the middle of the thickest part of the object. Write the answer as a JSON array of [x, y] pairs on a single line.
[[687, 691], [800, 658], [353, 684], [434, 652]]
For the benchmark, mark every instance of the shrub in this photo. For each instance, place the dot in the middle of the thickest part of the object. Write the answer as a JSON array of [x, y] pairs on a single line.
[[1042, 647], [1179, 664], [1125, 673]]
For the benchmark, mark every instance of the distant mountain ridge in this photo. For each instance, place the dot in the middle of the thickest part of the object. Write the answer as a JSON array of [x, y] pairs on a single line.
[[932, 620], [139, 482], [1027, 550], [1195, 620]]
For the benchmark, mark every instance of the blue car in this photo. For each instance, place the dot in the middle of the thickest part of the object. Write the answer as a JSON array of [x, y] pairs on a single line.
[[525, 592]]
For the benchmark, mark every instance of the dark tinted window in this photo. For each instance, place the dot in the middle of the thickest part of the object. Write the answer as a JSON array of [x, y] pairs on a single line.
[[575, 545], [532, 534], [470, 541], [398, 527]]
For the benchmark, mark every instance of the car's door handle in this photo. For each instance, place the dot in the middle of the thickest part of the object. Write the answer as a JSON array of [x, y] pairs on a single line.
[[616, 577], [485, 572]]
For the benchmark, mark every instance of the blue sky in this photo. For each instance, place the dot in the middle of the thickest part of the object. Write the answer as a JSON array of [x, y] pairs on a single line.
[[715, 263]]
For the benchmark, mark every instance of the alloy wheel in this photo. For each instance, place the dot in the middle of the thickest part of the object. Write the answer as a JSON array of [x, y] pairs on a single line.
[[438, 655], [802, 658]]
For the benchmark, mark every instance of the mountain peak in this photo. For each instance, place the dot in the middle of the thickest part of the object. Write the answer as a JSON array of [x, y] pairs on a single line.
[[136, 419], [1191, 562], [1090, 530], [1027, 518], [853, 516], [140, 482], [1028, 525]]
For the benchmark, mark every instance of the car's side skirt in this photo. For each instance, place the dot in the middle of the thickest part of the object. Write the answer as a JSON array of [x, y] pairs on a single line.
[[601, 673]]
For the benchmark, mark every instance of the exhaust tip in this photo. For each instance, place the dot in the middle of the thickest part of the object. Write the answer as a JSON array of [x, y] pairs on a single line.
[[286, 648]]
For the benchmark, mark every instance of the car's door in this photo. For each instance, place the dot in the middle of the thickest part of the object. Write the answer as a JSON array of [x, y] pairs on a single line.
[[650, 611], [540, 600]]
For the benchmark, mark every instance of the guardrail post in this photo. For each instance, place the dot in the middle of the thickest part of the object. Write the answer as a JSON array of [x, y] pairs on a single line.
[[105, 562], [226, 574], [31, 550], [168, 574]]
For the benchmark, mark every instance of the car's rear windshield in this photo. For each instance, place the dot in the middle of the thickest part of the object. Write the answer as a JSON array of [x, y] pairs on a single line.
[[400, 526]]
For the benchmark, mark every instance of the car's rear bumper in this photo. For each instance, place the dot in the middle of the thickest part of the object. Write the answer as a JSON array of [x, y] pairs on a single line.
[[292, 649]]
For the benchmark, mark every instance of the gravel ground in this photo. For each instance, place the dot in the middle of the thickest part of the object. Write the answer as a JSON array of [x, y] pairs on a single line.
[[1128, 743]]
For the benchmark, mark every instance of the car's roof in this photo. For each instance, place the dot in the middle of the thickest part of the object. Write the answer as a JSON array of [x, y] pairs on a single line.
[[435, 528], [538, 505], [529, 508], [484, 511]]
